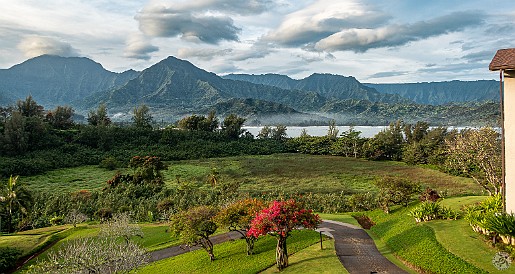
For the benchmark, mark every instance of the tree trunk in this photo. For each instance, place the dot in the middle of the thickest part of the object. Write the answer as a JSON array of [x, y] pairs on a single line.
[[208, 246], [250, 245], [281, 253]]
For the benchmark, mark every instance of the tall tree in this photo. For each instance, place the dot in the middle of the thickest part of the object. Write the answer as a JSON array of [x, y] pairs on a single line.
[[232, 126], [477, 153], [141, 117], [332, 131], [99, 117], [15, 200], [279, 132], [61, 117], [15, 137], [29, 108]]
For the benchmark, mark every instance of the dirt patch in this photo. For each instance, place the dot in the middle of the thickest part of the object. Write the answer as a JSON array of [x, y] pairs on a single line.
[[364, 221]]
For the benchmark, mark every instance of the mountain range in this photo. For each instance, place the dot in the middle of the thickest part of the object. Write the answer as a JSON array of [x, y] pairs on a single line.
[[173, 88]]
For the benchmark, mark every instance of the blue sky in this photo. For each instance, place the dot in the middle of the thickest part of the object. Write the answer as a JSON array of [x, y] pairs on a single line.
[[374, 41]]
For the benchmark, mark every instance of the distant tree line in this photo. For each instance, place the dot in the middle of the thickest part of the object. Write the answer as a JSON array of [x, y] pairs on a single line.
[[34, 140], [474, 153]]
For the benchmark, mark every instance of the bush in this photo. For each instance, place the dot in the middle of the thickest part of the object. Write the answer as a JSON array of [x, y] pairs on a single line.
[[362, 201], [395, 190], [57, 220], [428, 211], [109, 163], [8, 258], [476, 214]]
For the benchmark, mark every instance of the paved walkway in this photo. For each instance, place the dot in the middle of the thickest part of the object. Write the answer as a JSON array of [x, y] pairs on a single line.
[[177, 250], [355, 249]]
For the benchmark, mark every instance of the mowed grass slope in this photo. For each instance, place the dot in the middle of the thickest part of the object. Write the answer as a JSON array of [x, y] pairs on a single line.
[[291, 173]]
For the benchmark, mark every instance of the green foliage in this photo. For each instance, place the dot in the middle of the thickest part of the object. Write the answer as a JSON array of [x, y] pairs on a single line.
[[99, 117], [427, 211], [15, 200], [60, 118], [57, 220], [500, 223], [386, 145], [8, 258], [232, 126], [109, 163], [141, 117], [362, 201], [29, 108], [395, 190], [349, 144], [417, 244], [147, 170], [477, 214], [238, 216], [199, 122], [194, 227]]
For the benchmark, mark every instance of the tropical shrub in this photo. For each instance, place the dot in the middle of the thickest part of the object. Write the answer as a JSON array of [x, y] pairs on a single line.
[[476, 214], [428, 211]]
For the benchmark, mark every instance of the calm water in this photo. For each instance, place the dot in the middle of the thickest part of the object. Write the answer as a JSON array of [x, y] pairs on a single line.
[[366, 131]]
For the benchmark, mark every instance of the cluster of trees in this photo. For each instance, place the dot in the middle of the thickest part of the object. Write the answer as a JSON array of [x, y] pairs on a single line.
[[33, 140], [470, 152], [250, 217]]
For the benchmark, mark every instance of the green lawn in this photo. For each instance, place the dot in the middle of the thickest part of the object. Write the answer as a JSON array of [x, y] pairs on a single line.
[[231, 257], [280, 172], [461, 240], [156, 236], [458, 237], [313, 260], [70, 179], [441, 246], [311, 173]]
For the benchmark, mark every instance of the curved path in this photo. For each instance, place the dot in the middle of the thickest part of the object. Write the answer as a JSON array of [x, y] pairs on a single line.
[[177, 250], [355, 249]]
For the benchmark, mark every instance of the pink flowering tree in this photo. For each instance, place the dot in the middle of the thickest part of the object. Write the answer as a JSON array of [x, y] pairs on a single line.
[[278, 220]]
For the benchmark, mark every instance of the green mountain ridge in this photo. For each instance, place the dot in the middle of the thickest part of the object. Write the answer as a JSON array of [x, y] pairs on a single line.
[[54, 80], [174, 88]]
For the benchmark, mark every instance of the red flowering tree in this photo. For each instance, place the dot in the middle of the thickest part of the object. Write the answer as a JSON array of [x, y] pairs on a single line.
[[278, 220], [237, 217]]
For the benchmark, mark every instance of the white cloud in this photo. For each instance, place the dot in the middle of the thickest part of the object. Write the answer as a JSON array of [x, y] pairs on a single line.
[[33, 46], [139, 47], [323, 18], [363, 39], [203, 54]]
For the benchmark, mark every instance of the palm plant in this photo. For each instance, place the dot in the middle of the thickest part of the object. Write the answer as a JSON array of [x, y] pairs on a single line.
[[15, 199]]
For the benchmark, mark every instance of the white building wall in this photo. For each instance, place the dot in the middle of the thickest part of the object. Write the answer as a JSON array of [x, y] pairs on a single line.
[[509, 129]]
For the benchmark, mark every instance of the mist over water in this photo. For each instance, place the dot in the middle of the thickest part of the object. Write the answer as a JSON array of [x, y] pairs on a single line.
[[366, 131]]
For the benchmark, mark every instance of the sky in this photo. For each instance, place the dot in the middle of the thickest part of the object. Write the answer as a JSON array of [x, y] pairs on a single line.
[[376, 41]]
